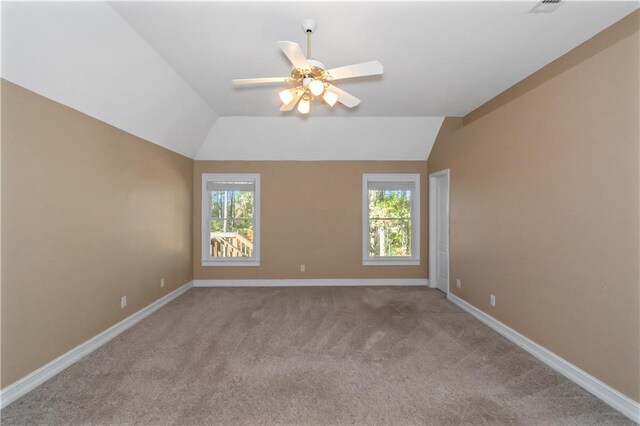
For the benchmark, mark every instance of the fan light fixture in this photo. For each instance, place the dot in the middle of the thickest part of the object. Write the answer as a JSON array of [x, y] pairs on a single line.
[[305, 105], [316, 87], [330, 98], [286, 96], [311, 77]]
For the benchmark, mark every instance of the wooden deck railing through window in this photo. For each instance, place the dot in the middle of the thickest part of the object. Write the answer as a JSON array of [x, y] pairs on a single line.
[[230, 244]]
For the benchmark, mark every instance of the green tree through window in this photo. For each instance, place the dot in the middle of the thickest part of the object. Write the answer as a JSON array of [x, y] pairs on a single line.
[[231, 216], [232, 211], [389, 223]]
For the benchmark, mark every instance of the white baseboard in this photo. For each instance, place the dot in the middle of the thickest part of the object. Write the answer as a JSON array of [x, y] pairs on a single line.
[[44, 373], [313, 282], [606, 393]]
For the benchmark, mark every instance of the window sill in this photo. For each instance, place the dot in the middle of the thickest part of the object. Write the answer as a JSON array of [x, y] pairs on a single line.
[[391, 262], [251, 262]]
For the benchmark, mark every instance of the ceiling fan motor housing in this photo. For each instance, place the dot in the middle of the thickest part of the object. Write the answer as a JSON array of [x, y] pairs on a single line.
[[317, 64]]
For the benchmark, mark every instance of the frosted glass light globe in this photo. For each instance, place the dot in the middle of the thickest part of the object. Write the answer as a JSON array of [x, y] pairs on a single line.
[[330, 98], [316, 87], [286, 96], [304, 106]]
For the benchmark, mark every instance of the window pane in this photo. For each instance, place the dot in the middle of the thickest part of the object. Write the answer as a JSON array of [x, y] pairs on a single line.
[[231, 238], [231, 224], [394, 204], [231, 204], [390, 237]]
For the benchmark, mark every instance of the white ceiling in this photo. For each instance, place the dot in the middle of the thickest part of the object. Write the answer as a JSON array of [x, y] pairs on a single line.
[[162, 70], [86, 56], [321, 138], [440, 58]]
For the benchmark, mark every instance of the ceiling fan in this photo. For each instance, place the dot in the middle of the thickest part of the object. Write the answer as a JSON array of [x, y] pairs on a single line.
[[312, 79]]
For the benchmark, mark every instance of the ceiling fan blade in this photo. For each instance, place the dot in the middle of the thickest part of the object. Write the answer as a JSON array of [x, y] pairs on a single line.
[[344, 98], [267, 80], [294, 53], [356, 70]]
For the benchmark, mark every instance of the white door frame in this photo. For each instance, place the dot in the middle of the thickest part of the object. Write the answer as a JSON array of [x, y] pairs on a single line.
[[432, 227]]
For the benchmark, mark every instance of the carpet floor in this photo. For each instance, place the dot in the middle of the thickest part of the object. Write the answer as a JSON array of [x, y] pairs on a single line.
[[320, 355]]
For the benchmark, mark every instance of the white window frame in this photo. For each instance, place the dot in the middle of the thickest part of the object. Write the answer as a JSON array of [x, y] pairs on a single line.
[[207, 259], [414, 259]]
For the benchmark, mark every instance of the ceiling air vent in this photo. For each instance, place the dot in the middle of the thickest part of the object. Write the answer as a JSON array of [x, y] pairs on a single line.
[[546, 6]]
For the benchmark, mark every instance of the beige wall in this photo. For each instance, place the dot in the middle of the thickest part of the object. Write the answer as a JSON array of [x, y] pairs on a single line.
[[545, 206], [89, 213], [311, 213], [440, 155]]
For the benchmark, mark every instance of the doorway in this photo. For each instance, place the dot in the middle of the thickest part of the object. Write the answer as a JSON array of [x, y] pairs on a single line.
[[439, 230]]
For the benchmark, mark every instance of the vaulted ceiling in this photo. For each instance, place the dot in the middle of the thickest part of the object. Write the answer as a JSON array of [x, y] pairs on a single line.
[[440, 58], [162, 70]]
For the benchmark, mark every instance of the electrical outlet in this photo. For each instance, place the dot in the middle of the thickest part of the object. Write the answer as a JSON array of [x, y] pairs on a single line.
[[161, 282], [492, 300], [123, 302], [302, 267], [458, 283]]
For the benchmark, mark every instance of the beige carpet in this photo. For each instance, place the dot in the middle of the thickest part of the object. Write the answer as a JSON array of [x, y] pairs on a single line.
[[377, 355]]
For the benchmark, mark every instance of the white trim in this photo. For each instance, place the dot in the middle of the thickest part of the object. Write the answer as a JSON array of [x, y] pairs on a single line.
[[389, 261], [433, 267], [44, 373], [207, 260], [232, 262], [313, 282], [414, 259], [606, 393]]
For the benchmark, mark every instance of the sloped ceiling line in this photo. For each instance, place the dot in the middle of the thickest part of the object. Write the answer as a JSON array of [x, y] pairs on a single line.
[[166, 61], [86, 56]]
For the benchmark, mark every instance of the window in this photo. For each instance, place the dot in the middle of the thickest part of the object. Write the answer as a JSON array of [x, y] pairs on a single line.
[[230, 220], [391, 219]]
